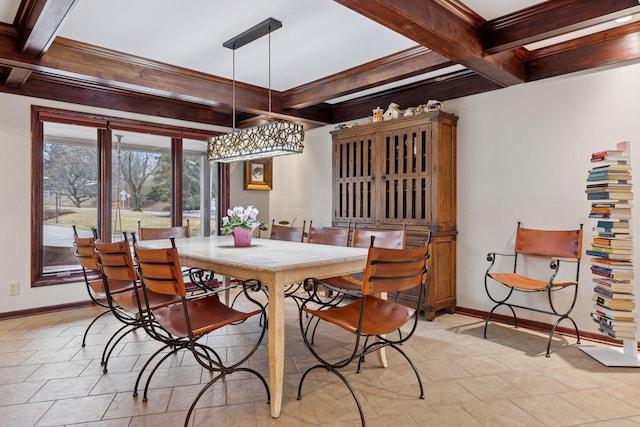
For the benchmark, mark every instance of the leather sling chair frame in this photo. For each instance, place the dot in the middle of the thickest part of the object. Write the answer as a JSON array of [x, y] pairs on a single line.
[[318, 236], [199, 279], [559, 247], [98, 292], [387, 270], [116, 264], [289, 234], [195, 316], [340, 287], [286, 232]]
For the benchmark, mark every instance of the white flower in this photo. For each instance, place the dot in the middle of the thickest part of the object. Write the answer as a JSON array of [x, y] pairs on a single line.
[[240, 217]]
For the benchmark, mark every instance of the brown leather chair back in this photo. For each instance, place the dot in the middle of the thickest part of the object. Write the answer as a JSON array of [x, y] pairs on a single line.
[[160, 270], [388, 239], [394, 270], [549, 243], [153, 233], [328, 236], [116, 261], [85, 251], [284, 232]]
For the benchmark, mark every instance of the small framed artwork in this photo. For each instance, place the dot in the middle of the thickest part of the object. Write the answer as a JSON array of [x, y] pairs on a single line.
[[258, 174]]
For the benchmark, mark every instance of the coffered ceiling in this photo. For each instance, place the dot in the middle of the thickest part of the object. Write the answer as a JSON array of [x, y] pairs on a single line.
[[331, 61]]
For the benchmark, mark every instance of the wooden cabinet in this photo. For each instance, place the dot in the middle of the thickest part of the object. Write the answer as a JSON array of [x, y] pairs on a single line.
[[403, 172]]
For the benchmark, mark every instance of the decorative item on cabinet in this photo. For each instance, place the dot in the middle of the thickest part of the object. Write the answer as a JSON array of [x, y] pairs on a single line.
[[393, 112], [403, 171]]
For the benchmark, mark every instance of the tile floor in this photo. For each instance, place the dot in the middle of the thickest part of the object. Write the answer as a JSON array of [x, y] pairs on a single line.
[[48, 379]]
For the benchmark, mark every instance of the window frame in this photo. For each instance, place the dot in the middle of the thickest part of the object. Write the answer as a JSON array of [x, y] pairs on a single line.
[[105, 125]]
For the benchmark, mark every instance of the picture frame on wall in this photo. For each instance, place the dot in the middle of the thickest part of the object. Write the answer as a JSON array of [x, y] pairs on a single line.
[[258, 174]]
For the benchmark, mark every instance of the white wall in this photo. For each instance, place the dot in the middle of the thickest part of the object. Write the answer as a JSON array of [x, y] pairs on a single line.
[[522, 155]]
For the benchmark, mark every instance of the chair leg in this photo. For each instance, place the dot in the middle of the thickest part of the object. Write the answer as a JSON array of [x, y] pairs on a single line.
[[107, 346], [344, 380], [486, 321], [216, 378], [144, 367], [155, 368], [106, 360], [553, 331], [86, 331]]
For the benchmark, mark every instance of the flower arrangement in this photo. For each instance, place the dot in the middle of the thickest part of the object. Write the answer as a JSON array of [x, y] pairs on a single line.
[[240, 217]]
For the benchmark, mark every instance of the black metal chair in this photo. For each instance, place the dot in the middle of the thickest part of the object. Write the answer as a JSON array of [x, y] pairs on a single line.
[[199, 279], [558, 247], [194, 316], [98, 292], [387, 270]]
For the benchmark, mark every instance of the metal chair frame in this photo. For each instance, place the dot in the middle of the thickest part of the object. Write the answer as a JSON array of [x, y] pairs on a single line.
[[387, 270], [560, 248]]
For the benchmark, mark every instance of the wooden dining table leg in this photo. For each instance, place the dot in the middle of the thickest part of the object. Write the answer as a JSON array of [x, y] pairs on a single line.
[[276, 345], [382, 353]]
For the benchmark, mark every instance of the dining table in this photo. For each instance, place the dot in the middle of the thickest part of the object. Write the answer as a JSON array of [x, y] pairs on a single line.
[[276, 264]]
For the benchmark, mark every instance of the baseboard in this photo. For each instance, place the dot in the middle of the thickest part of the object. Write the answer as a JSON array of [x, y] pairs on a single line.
[[540, 326], [47, 309]]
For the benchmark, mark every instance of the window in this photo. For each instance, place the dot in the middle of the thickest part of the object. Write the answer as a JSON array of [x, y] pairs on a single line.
[[110, 174]]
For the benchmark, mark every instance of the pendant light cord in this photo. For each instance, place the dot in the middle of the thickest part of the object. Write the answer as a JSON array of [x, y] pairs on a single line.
[[233, 99], [269, 50]]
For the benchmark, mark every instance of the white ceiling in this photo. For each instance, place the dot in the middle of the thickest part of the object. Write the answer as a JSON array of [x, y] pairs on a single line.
[[318, 37]]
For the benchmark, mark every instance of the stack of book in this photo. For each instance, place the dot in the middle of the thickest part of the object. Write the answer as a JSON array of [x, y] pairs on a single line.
[[610, 191]]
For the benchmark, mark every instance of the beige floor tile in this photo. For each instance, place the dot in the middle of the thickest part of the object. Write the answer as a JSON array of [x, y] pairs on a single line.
[[442, 369], [239, 415], [65, 388], [553, 410], [26, 415], [534, 384], [49, 371], [501, 413], [447, 416], [76, 410], [601, 404], [124, 405], [489, 388], [17, 374], [14, 394]]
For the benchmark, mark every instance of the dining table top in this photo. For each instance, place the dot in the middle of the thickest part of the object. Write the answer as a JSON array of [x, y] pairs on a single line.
[[264, 254]]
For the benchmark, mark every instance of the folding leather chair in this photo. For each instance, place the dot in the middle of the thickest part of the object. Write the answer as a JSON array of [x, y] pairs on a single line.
[[116, 265], [318, 236], [194, 316], [559, 248], [387, 270], [199, 279], [340, 287], [285, 232], [88, 259]]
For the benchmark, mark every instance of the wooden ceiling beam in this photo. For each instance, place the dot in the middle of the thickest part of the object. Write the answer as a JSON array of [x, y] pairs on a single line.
[[550, 19], [39, 21], [401, 65], [616, 46], [442, 88], [87, 64], [17, 77], [439, 25]]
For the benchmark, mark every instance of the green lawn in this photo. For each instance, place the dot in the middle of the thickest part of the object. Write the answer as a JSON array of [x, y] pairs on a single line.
[[85, 219]]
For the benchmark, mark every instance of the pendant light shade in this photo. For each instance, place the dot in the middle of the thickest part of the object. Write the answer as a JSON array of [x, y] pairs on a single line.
[[274, 138]]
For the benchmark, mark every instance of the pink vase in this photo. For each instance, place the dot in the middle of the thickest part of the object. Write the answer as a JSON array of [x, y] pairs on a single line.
[[241, 237]]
